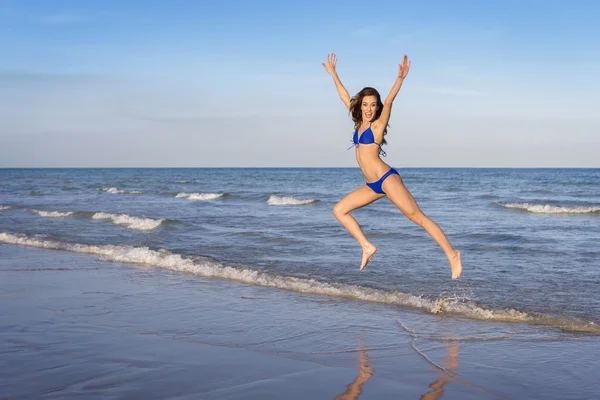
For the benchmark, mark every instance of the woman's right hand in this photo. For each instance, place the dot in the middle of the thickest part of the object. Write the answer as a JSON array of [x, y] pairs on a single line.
[[330, 65]]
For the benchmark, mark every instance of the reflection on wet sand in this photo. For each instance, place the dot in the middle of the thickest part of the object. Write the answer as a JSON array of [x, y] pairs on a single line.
[[450, 367], [365, 372]]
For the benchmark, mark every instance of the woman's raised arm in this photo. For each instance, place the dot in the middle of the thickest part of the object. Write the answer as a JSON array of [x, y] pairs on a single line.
[[330, 68], [387, 104]]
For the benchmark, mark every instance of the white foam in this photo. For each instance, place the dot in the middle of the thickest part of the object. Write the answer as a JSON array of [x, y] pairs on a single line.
[[175, 262], [128, 221], [548, 209], [114, 190], [213, 269], [52, 214], [287, 201], [5, 207], [200, 196]]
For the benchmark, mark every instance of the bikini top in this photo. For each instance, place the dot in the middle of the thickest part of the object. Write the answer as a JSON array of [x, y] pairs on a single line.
[[366, 138]]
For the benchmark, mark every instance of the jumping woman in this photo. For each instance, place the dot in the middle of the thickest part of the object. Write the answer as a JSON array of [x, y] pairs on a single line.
[[371, 118]]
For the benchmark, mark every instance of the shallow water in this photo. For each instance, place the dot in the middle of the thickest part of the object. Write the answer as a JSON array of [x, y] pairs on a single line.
[[528, 236]]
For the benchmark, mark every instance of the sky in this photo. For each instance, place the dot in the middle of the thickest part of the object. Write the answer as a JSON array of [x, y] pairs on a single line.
[[240, 83]]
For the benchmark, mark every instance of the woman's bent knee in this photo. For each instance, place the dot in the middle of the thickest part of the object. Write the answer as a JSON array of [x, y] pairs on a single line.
[[338, 211]]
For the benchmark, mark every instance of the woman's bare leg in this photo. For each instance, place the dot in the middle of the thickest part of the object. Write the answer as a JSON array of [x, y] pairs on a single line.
[[357, 199], [401, 197]]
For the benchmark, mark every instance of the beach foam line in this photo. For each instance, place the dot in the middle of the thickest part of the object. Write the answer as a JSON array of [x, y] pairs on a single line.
[[199, 196], [548, 209], [114, 190], [144, 224], [275, 200], [52, 214], [208, 268]]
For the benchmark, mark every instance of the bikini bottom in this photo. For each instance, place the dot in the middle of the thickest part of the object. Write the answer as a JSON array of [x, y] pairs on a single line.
[[376, 186]]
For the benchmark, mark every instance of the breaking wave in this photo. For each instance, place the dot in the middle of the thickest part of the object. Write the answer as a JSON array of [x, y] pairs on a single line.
[[144, 224], [52, 214], [127, 221], [288, 201], [114, 190], [549, 209], [209, 268], [200, 196]]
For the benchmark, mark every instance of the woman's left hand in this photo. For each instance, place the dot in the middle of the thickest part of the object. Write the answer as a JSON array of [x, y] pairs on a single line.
[[404, 67]]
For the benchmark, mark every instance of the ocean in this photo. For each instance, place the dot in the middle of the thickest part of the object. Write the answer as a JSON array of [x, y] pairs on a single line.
[[528, 239]]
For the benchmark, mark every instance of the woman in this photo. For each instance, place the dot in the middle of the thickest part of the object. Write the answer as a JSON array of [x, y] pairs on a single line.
[[371, 118]]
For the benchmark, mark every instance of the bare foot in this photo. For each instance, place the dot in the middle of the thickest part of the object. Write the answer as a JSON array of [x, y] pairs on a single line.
[[368, 251], [456, 265]]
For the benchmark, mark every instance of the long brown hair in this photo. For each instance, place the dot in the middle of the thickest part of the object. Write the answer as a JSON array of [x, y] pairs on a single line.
[[356, 112]]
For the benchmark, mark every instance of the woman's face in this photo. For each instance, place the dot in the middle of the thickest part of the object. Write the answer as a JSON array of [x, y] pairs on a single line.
[[368, 107]]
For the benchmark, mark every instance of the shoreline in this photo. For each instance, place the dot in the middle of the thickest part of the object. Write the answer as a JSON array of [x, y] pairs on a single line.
[[213, 269], [77, 327]]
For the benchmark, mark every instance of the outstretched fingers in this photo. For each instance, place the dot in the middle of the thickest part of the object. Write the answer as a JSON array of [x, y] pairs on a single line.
[[330, 64], [332, 59], [404, 67]]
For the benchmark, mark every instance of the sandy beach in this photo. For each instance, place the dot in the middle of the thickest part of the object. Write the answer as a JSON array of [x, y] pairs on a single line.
[[75, 326]]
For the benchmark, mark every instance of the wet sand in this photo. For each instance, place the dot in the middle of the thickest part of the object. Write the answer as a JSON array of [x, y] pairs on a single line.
[[74, 326]]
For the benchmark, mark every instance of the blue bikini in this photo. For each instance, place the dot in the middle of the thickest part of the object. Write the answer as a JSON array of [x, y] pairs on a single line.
[[376, 186], [367, 138]]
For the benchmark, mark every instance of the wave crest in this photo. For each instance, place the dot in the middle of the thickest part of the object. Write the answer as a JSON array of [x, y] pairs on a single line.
[[5, 207], [114, 190], [287, 201], [199, 196], [144, 224], [549, 209], [53, 214]]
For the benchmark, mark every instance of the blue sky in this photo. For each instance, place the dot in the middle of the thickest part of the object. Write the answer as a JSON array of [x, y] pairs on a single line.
[[240, 83]]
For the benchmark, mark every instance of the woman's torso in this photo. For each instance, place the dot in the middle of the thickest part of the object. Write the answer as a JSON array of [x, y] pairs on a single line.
[[367, 156]]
